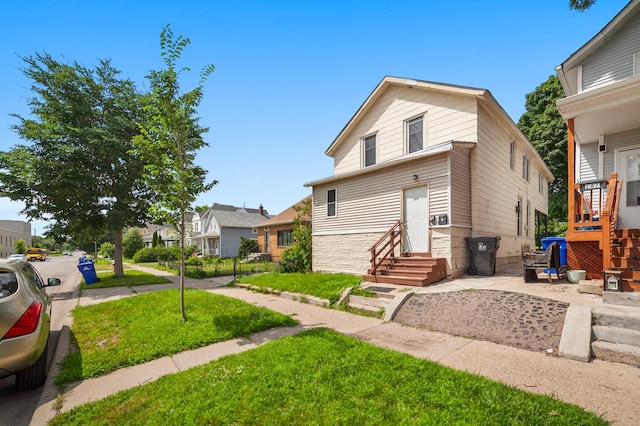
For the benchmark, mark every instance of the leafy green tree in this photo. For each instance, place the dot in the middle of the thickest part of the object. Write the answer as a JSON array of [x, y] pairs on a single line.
[[247, 246], [545, 128], [20, 246], [581, 5], [169, 142], [107, 249], [131, 242], [79, 172], [297, 258]]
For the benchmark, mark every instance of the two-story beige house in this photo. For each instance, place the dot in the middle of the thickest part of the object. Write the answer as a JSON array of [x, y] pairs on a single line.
[[419, 168]]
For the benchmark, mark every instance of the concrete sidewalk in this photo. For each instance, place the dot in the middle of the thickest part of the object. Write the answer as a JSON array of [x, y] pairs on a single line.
[[608, 389]]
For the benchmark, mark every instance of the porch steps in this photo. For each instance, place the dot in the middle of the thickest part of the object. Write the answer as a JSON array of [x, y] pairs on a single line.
[[625, 257], [416, 269], [616, 328]]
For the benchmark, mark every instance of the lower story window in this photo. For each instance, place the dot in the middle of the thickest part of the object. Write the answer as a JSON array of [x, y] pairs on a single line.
[[285, 238]]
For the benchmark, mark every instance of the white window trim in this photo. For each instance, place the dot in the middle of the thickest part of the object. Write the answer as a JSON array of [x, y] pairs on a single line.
[[364, 154], [335, 202], [512, 154], [423, 116]]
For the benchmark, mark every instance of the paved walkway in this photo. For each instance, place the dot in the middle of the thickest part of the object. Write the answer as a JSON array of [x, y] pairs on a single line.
[[608, 389]]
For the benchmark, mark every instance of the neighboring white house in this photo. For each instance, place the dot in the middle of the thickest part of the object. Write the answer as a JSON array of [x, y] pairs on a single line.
[[445, 160], [601, 81], [217, 231], [168, 234]]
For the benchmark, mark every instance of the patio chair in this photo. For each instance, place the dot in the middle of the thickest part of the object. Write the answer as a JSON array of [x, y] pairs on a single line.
[[548, 259]]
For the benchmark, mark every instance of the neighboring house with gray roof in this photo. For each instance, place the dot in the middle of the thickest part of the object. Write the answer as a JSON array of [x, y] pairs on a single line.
[[217, 231]]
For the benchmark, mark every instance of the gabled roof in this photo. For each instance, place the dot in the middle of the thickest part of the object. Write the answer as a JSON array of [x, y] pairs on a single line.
[[286, 216], [596, 41], [237, 217], [388, 81]]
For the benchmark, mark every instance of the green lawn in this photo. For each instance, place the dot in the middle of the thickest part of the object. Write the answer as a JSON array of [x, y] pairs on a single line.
[[320, 377], [137, 329], [131, 278], [324, 286]]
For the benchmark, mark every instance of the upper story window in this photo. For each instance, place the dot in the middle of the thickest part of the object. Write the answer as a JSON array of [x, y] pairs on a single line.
[[512, 155], [636, 64], [541, 183], [415, 134], [332, 202], [525, 167], [369, 150]]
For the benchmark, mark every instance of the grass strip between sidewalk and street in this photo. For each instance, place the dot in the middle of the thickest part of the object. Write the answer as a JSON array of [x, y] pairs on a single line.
[[131, 278], [138, 329], [323, 377]]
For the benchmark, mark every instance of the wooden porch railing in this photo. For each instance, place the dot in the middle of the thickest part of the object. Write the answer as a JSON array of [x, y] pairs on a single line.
[[596, 212], [385, 246]]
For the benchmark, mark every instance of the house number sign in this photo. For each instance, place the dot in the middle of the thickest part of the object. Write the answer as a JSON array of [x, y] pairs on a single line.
[[587, 186]]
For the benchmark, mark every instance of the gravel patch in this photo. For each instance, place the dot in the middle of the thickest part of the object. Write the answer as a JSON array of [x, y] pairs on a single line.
[[513, 319]]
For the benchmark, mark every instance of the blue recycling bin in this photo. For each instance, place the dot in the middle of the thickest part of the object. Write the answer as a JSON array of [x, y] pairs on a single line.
[[88, 270], [562, 242]]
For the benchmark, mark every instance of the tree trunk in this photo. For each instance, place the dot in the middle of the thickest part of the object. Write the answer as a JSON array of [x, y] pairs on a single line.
[[118, 269], [182, 228]]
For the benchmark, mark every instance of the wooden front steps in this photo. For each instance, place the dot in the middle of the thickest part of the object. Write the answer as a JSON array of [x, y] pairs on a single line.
[[415, 269], [625, 257]]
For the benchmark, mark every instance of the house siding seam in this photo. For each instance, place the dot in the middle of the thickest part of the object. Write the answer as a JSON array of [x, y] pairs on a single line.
[[613, 61], [460, 187]]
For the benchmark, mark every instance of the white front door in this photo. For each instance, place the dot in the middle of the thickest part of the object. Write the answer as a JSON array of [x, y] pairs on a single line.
[[629, 172], [416, 220]]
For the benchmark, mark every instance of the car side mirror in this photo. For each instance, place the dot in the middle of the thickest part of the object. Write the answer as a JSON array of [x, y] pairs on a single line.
[[52, 282]]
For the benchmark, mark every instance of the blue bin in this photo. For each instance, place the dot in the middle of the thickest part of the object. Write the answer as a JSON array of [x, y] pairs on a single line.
[[88, 270], [562, 242]]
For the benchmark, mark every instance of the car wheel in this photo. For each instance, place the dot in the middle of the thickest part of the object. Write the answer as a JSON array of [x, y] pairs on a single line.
[[35, 375]]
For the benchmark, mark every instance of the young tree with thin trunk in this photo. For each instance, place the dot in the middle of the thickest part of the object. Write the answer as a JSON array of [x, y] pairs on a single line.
[[169, 141]]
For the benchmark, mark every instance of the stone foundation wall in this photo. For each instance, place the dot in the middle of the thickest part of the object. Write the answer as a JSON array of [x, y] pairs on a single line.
[[450, 244], [346, 253]]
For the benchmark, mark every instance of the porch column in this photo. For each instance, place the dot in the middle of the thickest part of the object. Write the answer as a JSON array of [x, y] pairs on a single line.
[[571, 176]]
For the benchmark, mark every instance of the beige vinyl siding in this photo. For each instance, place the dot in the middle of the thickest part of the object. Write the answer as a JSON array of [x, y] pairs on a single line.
[[496, 187], [373, 202], [460, 187], [446, 117], [616, 141], [588, 162], [613, 61]]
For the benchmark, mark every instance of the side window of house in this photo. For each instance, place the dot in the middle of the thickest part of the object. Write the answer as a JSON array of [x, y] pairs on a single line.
[[285, 238], [519, 217], [369, 150], [512, 155], [415, 134], [636, 64], [332, 202], [541, 183], [525, 167]]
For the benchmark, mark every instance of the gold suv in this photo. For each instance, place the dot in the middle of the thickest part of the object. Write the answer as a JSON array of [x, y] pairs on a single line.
[[25, 316]]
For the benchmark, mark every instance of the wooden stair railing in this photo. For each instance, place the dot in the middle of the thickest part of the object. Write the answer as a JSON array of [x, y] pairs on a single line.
[[385, 246], [610, 217]]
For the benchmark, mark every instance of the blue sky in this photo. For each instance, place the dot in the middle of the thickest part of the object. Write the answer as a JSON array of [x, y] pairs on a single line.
[[290, 74]]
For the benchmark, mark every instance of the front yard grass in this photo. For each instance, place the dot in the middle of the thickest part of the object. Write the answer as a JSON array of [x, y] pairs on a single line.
[[322, 377], [137, 329], [324, 286], [131, 278]]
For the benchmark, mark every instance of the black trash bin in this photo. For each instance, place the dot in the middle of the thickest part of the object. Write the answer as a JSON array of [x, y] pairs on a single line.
[[482, 255]]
